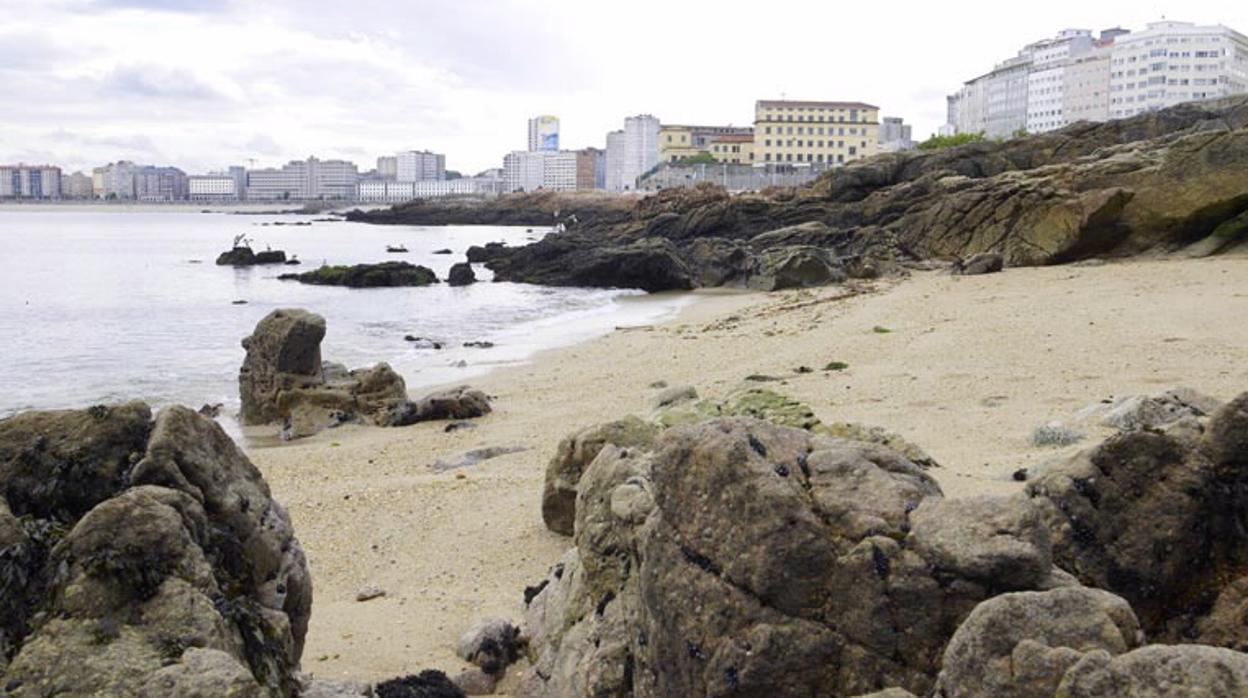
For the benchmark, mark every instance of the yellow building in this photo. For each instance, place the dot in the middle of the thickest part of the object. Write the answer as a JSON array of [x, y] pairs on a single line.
[[735, 149], [814, 133], [676, 143]]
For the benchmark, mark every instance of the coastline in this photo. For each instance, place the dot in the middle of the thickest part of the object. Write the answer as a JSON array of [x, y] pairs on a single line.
[[969, 366]]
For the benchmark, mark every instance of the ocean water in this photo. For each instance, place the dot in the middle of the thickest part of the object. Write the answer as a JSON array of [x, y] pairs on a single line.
[[101, 306]]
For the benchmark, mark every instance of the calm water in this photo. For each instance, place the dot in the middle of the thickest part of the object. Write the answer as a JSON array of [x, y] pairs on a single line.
[[105, 306]]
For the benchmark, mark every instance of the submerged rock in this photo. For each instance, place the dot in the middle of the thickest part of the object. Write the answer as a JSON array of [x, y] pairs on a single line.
[[982, 263], [151, 561], [245, 257], [384, 274], [461, 274]]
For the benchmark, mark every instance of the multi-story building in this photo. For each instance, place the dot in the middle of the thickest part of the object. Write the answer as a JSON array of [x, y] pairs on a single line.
[[544, 133], [76, 186], [591, 168], [419, 166], [734, 149], [30, 182], [212, 187], [388, 167], [1173, 62], [895, 134], [388, 191], [530, 170], [304, 179], [116, 180], [678, 142], [632, 152], [814, 133], [160, 184], [1085, 95]]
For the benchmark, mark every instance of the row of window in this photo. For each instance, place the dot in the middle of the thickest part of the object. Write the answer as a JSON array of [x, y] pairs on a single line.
[[790, 143], [818, 157], [840, 118], [813, 131]]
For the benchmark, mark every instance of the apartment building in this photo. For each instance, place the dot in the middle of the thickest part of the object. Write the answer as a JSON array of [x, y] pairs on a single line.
[[895, 135], [211, 187], [418, 166], [30, 182], [632, 152], [733, 149], [591, 169], [392, 192], [678, 141], [388, 167], [304, 179], [814, 133], [544, 133], [154, 184], [115, 180], [1173, 62], [76, 186], [530, 170]]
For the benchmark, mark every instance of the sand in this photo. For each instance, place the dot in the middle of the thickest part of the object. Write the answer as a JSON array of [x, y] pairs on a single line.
[[967, 369]]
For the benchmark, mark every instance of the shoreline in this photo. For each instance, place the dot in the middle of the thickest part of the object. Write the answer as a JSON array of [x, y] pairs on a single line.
[[969, 366]]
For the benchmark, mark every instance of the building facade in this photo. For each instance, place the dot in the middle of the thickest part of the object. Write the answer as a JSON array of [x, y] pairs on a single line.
[[418, 166], [895, 134], [678, 142], [156, 184], [591, 167], [530, 170], [30, 182], [814, 133], [76, 186], [304, 179], [1173, 62], [544, 133], [392, 192], [212, 187], [388, 167], [632, 152], [734, 149], [115, 180]]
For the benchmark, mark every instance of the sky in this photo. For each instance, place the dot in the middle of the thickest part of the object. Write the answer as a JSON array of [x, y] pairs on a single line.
[[205, 84]]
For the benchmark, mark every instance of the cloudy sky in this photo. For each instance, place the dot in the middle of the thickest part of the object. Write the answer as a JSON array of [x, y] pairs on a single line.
[[203, 84]]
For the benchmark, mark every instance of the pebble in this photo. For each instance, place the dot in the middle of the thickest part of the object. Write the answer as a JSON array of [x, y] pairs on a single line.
[[372, 591]]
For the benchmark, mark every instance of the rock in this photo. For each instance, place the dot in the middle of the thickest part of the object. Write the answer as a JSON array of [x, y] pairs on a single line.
[[878, 435], [1186, 482], [1021, 645], [312, 687], [238, 257], [1054, 434], [492, 644], [563, 259], [996, 541], [736, 557], [426, 684], [457, 426], [982, 263], [795, 267], [461, 274], [283, 380], [479, 345], [574, 454], [471, 458], [480, 254], [383, 274], [889, 693], [759, 403], [675, 394], [1152, 411], [212, 411], [462, 402], [271, 257], [443, 251], [176, 575], [422, 342], [475, 682], [369, 592], [1159, 670]]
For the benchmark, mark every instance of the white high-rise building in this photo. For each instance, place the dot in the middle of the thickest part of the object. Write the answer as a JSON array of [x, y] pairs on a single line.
[[30, 182], [1046, 83], [1173, 62], [525, 170], [544, 133], [304, 179], [419, 166], [632, 152]]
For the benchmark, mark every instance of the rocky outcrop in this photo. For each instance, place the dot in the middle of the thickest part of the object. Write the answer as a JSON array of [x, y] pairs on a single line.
[[283, 380], [142, 557], [1168, 181], [574, 454], [1189, 482], [245, 257], [461, 275], [541, 208], [384, 274], [1151, 411], [737, 556], [794, 267]]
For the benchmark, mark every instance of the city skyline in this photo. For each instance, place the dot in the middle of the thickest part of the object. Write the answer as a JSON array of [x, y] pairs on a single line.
[[204, 85]]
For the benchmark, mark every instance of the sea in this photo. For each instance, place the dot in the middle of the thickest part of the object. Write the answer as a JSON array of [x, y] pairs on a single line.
[[100, 306]]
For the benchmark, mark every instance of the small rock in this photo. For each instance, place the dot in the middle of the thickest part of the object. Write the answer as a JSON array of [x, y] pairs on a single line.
[[461, 274], [836, 366], [492, 644], [443, 251], [370, 592], [760, 378], [456, 426], [427, 684], [1055, 434], [982, 263], [479, 345], [422, 342], [238, 302], [211, 411], [1020, 475], [658, 385], [476, 455], [675, 394], [475, 682], [803, 369]]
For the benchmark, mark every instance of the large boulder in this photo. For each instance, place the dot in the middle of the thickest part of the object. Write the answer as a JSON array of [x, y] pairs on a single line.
[[1190, 484], [650, 264], [461, 274], [283, 380], [795, 267], [383, 274], [736, 556], [180, 577]]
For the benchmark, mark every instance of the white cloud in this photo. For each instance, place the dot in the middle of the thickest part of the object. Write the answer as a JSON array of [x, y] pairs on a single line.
[[204, 84]]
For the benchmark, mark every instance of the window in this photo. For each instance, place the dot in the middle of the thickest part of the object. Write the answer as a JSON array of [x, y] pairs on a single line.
[[853, 150]]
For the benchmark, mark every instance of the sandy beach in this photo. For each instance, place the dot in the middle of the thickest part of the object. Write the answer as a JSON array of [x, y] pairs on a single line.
[[967, 368]]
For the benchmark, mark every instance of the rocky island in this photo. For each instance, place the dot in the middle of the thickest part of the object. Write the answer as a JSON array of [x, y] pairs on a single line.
[[381, 275]]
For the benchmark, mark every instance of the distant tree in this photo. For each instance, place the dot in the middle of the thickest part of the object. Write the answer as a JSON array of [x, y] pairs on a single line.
[[453, 174], [702, 158], [1020, 133], [942, 142]]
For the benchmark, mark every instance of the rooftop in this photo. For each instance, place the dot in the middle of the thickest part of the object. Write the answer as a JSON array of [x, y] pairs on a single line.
[[821, 105], [734, 138]]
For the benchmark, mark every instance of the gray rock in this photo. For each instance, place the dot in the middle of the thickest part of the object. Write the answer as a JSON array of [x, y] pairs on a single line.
[[369, 592], [461, 274], [475, 682], [982, 263], [457, 403], [1055, 434], [795, 267], [203, 673], [492, 644], [675, 394], [997, 541], [1152, 411], [471, 458], [1159, 671]]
